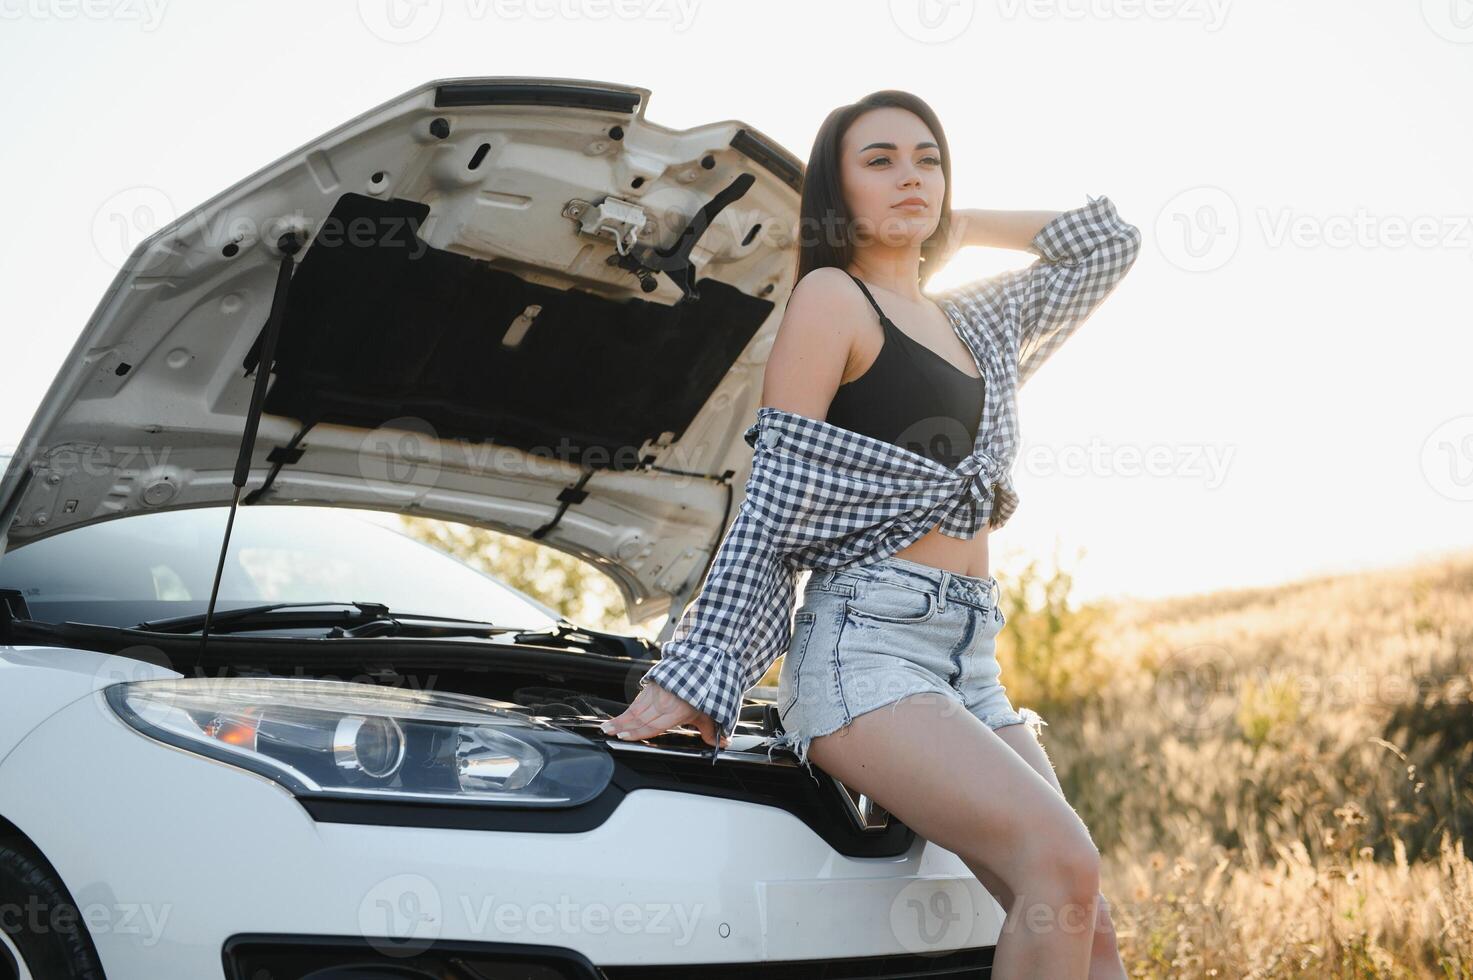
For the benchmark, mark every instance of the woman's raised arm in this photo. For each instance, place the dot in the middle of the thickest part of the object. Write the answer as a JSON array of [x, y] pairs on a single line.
[[1083, 254]]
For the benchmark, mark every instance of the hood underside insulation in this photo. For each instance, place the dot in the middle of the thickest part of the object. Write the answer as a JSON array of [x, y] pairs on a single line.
[[381, 326]]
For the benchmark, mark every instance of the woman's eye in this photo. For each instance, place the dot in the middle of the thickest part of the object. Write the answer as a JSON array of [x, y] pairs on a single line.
[[885, 159]]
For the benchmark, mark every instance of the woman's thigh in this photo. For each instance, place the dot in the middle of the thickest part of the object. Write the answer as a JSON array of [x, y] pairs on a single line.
[[957, 782], [1023, 740]]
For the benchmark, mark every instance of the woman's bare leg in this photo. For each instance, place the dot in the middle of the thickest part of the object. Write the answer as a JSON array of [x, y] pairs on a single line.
[[954, 781], [1104, 960]]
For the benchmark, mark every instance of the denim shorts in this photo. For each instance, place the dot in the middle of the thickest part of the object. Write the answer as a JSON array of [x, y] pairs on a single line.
[[866, 636]]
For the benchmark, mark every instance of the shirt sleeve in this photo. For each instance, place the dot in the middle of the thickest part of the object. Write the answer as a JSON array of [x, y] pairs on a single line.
[[725, 639], [1083, 254]]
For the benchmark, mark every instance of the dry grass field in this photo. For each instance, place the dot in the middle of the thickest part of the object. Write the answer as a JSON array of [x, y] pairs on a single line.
[[1280, 780]]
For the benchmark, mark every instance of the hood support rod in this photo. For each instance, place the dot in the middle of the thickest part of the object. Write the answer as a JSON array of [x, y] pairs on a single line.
[[288, 245]]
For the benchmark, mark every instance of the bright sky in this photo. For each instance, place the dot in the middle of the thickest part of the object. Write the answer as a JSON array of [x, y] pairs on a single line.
[[1279, 388]]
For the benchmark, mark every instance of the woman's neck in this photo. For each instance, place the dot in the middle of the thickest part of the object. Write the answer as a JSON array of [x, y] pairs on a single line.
[[900, 275]]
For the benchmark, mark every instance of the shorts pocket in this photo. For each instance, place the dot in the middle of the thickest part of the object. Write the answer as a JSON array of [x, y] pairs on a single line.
[[787, 682], [892, 603]]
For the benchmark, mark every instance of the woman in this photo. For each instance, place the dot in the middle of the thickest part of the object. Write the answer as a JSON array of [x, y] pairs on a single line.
[[883, 458]]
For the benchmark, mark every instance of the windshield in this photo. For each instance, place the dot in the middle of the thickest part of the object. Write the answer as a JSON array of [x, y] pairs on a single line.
[[155, 566]]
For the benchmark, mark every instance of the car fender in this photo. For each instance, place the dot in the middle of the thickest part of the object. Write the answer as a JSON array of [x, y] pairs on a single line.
[[38, 681]]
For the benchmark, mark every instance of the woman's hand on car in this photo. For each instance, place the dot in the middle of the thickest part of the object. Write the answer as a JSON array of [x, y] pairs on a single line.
[[656, 710]]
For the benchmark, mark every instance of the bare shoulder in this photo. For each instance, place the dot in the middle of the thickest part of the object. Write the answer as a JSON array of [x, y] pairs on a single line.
[[829, 276], [824, 307], [813, 344]]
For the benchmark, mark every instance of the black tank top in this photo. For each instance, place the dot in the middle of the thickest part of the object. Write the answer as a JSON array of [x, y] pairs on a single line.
[[911, 396]]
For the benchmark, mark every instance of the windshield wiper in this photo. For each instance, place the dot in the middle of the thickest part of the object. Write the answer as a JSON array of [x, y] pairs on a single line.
[[358, 620], [253, 615]]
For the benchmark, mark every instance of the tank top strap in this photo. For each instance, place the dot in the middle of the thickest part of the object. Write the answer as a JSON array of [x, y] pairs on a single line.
[[860, 283]]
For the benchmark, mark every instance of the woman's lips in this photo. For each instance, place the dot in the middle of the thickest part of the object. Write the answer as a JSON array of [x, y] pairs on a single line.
[[910, 207]]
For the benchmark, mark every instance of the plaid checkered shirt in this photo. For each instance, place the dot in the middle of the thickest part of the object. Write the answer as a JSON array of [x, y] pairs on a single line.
[[820, 497]]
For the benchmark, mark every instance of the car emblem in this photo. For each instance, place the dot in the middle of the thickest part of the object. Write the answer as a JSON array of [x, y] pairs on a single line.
[[865, 812]]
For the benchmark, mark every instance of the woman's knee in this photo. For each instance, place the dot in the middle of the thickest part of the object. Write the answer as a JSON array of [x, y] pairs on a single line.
[[1067, 870], [1063, 892], [1057, 870]]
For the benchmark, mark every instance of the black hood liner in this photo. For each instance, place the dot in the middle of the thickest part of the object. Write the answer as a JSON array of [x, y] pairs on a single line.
[[379, 325]]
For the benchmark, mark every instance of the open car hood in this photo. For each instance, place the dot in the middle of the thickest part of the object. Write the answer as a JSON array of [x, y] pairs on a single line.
[[513, 303]]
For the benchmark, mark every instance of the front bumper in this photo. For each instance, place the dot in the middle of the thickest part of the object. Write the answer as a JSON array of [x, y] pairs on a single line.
[[169, 856]]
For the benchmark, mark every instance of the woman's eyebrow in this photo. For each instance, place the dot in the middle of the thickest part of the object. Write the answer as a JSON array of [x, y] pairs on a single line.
[[892, 146]]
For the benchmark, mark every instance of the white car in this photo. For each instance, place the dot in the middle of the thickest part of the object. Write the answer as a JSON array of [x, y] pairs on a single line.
[[511, 303]]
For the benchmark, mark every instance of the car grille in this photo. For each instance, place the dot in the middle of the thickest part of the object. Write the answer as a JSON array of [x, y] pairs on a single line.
[[820, 803], [284, 957], [971, 964]]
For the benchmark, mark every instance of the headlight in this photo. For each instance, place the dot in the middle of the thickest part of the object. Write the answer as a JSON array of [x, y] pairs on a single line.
[[340, 739]]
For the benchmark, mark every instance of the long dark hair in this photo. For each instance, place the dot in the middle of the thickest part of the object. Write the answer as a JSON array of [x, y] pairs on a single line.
[[825, 226]]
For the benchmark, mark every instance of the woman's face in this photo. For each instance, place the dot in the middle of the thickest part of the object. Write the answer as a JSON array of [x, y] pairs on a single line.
[[889, 156]]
